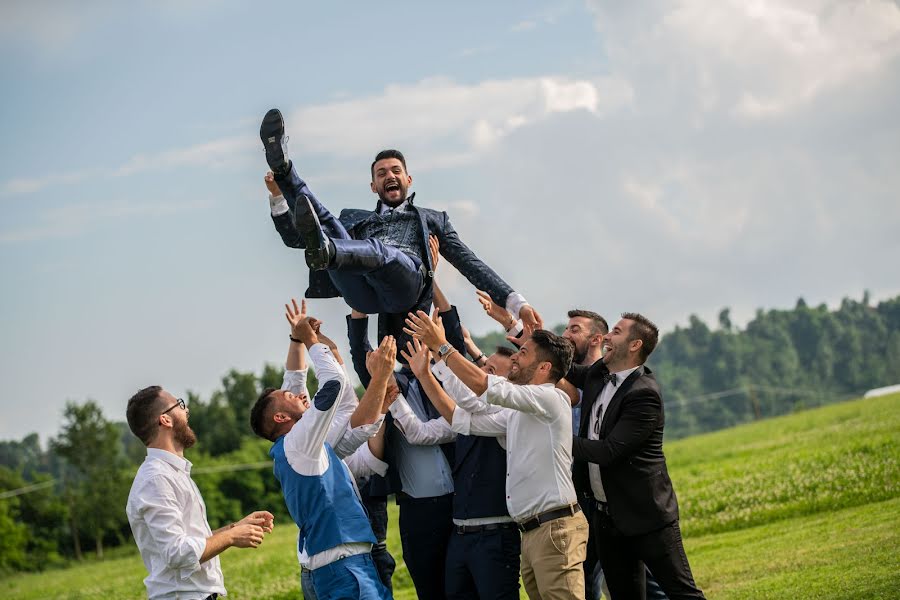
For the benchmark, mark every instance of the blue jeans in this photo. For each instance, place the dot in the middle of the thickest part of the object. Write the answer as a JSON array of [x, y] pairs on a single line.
[[351, 577]]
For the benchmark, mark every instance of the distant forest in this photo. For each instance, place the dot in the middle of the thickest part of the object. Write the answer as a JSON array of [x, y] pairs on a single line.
[[64, 499]]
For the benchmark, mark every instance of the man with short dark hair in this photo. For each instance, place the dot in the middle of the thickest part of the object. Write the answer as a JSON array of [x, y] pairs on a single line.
[[377, 260], [318, 488], [166, 511], [537, 425], [619, 463]]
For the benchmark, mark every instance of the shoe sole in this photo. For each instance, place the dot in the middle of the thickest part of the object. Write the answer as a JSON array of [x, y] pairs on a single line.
[[271, 132]]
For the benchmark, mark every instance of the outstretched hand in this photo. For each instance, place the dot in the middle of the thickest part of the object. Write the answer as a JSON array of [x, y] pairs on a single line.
[[531, 320], [380, 362], [294, 314], [430, 330], [434, 246], [418, 356], [271, 185], [495, 311]]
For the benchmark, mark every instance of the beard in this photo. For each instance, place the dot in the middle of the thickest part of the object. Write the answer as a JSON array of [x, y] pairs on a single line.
[[522, 376], [184, 435], [580, 353]]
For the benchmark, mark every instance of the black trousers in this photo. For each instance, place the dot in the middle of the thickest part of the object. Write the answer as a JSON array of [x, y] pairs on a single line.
[[623, 558], [484, 565], [425, 526], [376, 506]]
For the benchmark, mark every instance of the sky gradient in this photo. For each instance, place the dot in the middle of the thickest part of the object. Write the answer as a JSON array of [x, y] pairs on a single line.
[[665, 157]]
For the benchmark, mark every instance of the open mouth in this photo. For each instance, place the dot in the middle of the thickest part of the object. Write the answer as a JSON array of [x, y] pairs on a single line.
[[392, 186]]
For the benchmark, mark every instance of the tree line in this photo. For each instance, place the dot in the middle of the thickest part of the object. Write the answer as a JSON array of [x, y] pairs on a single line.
[[76, 485]]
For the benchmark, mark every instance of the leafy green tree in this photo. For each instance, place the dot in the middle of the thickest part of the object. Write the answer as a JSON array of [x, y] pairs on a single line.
[[96, 485]]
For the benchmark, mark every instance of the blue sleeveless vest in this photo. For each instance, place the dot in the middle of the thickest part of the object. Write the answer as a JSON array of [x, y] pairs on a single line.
[[325, 507]]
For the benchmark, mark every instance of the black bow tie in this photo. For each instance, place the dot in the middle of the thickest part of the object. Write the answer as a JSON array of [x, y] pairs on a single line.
[[610, 378]]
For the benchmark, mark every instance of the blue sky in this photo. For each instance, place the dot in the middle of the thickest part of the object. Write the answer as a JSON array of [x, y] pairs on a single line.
[[667, 157]]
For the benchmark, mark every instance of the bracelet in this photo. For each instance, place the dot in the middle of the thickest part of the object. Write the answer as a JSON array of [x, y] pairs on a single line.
[[295, 340], [478, 358], [452, 350]]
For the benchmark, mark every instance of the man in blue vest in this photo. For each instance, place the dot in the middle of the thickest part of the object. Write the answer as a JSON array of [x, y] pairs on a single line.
[[318, 488], [377, 260]]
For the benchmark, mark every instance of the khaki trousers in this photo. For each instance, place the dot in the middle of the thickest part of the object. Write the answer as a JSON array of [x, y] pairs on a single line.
[[551, 559]]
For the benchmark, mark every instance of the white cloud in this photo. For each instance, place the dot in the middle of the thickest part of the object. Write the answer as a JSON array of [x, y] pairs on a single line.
[[757, 59], [456, 119]]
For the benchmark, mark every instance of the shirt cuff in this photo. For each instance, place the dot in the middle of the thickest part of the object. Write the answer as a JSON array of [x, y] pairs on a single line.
[[278, 205], [369, 429], [441, 371], [492, 380], [462, 421], [197, 546], [514, 303], [400, 408], [373, 462]]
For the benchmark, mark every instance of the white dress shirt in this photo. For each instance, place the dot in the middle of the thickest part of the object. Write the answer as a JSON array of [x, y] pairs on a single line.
[[538, 431], [416, 431], [168, 519], [598, 411]]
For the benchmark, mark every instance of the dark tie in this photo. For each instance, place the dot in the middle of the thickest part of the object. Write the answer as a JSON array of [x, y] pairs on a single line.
[[610, 378]]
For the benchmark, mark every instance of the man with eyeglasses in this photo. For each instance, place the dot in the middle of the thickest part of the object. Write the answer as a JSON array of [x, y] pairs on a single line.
[[166, 511]]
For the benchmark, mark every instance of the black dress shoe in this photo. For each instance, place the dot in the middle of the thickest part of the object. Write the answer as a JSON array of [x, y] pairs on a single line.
[[319, 250], [271, 132]]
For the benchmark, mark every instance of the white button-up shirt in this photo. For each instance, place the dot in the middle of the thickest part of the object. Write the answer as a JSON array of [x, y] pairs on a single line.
[[598, 411], [538, 431], [168, 520]]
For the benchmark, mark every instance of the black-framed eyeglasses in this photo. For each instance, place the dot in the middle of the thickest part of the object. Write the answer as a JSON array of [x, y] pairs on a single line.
[[179, 403]]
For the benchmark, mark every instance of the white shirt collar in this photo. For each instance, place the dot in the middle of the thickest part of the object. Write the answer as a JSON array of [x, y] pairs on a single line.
[[623, 375], [180, 463], [399, 208]]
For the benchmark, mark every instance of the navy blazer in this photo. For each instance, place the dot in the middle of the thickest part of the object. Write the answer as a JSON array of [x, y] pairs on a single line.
[[433, 222]]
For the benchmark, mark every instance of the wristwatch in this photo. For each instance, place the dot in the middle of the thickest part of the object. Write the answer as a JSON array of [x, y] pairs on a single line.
[[444, 350]]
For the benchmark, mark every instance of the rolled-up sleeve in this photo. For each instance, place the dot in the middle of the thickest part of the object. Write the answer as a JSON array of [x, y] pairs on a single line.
[[417, 432], [355, 437]]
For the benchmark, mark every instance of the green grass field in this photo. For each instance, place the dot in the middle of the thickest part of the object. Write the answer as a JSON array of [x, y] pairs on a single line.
[[805, 506]]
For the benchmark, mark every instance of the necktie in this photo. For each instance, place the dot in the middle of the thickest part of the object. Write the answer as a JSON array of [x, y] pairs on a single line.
[[610, 378]]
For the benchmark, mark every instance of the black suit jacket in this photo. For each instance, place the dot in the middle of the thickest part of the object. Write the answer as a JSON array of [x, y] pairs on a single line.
[[629, 452]]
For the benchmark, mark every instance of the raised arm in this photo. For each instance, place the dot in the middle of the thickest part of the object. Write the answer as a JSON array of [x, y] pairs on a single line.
[[430, 331], [305, 440], [358, 334]]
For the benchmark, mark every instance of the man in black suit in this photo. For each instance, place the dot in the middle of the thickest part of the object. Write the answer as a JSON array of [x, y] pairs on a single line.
[[620, 465]]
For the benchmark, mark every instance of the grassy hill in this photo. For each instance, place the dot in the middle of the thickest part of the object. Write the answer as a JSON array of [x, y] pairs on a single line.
[[801, 506]]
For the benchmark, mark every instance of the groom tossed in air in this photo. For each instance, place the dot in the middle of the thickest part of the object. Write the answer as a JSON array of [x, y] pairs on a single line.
[[377, 260]]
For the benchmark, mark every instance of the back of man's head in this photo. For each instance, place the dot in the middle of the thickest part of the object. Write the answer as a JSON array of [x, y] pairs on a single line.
[[645, 330], [554, 349], [142, 414], [261, 421]]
